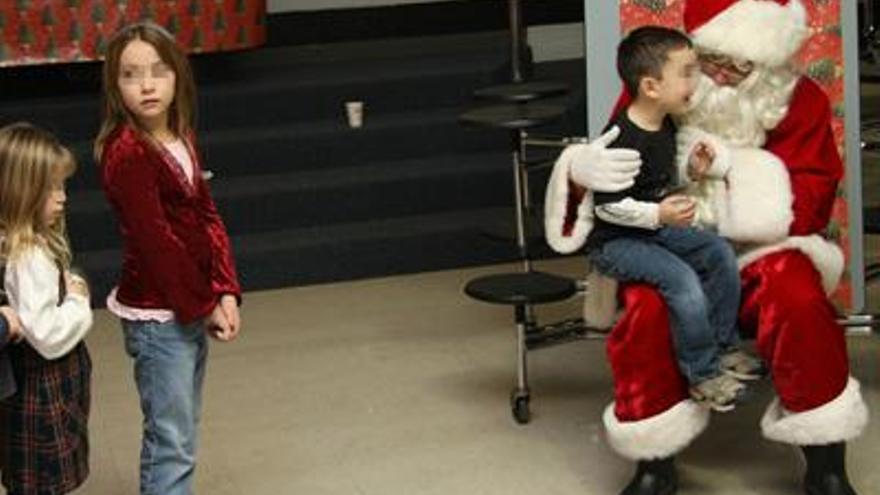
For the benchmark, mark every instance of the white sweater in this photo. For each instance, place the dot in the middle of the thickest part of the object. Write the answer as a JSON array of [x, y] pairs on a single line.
[[31, 284]]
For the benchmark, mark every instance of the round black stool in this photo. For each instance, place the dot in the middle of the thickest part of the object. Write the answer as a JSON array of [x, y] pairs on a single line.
[[513, 116], [521, 290], [522, 92]]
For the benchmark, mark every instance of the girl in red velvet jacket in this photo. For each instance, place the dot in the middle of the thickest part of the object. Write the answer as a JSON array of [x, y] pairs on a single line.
[[178, 279]]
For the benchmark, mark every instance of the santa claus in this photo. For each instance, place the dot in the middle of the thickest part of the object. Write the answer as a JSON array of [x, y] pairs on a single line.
[[778, 173]]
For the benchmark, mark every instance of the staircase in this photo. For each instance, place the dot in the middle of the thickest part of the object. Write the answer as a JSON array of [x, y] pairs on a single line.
[[305, 198]]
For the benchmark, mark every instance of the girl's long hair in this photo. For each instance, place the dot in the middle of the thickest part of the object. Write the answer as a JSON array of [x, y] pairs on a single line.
[[32, 162], [182, 110]]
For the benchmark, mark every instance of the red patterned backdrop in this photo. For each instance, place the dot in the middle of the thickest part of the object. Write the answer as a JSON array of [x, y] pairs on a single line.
[[821, 58], [48, 31]]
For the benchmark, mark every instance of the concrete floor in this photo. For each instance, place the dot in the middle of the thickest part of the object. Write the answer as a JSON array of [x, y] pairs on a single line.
[[400, 385]]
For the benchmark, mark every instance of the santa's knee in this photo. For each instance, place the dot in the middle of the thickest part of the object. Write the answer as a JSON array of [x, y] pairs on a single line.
[[793, 293]]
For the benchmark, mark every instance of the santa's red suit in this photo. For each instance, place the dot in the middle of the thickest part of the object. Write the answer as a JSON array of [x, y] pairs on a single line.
[[776, 199]]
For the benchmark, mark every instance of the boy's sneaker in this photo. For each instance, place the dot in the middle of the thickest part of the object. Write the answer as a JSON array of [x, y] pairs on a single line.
[[719, 393], [742, 366]]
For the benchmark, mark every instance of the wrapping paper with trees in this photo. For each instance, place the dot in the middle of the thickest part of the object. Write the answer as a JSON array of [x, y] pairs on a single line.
[[49, 31]]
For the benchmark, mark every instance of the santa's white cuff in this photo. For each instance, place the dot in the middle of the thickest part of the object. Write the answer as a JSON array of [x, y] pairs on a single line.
[[659, 436], [556, 199], [839, 420]]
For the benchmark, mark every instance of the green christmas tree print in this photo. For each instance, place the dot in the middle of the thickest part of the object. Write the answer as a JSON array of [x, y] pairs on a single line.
[[51, 49], [173, 25], [652, 5], [822, 70], [48, 18], [98, 14], [25, 36], [219, 22]]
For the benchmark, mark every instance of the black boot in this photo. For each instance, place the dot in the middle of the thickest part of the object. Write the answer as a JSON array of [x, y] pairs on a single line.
[[826, 470], [657, 477]]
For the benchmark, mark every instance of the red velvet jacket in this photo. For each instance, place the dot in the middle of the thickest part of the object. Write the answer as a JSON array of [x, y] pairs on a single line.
[[176, 251]]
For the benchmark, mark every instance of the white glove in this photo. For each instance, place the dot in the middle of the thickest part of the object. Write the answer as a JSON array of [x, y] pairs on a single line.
[[598, 168]]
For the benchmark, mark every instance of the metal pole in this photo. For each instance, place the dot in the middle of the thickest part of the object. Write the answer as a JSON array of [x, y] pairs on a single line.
[[514, 9], [852, 145]]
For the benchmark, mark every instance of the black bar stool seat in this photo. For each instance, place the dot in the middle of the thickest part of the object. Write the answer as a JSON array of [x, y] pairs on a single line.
[[513, 116], [521, 288], [522, 92]]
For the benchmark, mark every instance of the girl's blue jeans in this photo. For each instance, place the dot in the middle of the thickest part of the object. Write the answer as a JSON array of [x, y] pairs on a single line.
[[697, 275], [169, 369]]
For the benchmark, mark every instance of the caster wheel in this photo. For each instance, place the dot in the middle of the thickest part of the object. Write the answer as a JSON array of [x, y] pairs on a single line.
[[519, 405]]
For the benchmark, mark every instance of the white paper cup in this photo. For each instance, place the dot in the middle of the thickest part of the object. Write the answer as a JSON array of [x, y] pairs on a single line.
[[354, 110]]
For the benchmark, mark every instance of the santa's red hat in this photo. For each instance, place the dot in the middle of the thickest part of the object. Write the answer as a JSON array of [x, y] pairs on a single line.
[[767, 32]]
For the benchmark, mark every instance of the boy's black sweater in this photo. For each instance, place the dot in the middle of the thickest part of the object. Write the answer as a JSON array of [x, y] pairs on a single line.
[[656, 178]]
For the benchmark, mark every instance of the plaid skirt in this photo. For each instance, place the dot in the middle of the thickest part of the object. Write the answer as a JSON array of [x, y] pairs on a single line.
[[44, 441]]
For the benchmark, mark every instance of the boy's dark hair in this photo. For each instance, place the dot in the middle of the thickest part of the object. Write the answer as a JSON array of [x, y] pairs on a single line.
[[644, 51]]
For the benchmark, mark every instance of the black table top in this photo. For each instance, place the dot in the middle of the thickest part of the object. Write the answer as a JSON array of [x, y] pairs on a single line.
[[513, 115], [522, 92], [520, 288]]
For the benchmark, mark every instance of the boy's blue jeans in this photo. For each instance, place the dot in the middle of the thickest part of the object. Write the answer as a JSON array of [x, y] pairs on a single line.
[[697, 274], [169, 369]]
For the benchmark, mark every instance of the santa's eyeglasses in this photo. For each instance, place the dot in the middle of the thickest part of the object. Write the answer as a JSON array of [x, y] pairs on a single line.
[[718, 61]]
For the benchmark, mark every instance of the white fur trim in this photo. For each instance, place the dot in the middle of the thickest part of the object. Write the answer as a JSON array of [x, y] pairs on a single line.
[[842, 419], [757, 30], [757, 204], [659, 436], [556, 204], [826, 256], [600, 300]]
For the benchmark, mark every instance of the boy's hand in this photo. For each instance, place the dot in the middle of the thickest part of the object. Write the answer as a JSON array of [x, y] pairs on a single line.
[[13, 322], [677, 210], [217, 325], [700, 161]]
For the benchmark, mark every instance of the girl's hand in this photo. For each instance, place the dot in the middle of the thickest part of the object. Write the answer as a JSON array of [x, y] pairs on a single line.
[[217, 325], [229, 305], [13, 322], [76, 284], [677, 210], [700, 161]]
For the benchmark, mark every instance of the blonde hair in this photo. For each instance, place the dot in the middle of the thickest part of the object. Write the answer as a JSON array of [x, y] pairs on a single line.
[[182, 110], [31, 162]]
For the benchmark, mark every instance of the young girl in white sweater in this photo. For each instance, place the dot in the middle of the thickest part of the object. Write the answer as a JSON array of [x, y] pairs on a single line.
[[43, 426]]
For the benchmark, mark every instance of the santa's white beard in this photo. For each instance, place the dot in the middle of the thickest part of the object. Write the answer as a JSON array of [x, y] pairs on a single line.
[[742, 114]]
